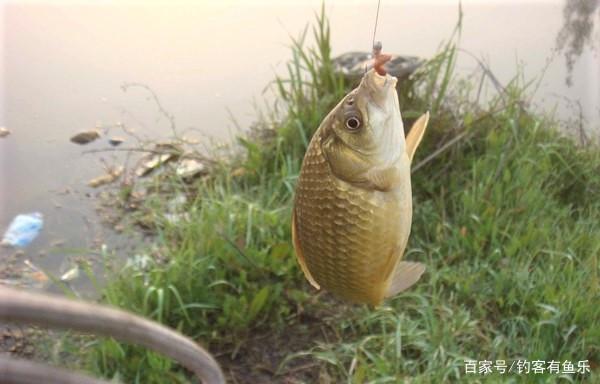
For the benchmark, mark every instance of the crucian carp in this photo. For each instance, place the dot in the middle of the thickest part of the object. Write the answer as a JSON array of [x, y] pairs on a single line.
[[353, 205]]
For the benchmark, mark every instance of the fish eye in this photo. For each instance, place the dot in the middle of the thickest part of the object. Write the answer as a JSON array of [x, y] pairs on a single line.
[[353, 123]]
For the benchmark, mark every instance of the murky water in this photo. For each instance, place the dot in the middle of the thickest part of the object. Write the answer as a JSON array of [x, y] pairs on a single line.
[[62, 67]]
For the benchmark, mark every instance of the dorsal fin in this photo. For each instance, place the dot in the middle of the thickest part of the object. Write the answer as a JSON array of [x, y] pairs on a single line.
[[416, 134]]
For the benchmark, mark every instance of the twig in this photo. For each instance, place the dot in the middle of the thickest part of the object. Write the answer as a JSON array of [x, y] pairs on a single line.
[[131, 133], [168, 115], [487, 71], [156, 151], [457, 138], [576, 104], [298, 368], [238, 249], [440, 150]]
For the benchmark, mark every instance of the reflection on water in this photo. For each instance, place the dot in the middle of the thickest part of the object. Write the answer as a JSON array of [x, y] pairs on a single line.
[[63, 67]]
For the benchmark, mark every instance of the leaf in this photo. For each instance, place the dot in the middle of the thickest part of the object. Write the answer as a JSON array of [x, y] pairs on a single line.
[[258, 302], [280, 250]]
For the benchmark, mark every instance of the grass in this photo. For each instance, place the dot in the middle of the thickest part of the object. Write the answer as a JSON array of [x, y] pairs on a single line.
[[506, 218]]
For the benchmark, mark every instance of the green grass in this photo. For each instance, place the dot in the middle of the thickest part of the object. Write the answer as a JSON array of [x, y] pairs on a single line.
[[506, 219]]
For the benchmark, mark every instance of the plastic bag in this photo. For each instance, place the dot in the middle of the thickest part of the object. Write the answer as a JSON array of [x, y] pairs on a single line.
[[23, 229]]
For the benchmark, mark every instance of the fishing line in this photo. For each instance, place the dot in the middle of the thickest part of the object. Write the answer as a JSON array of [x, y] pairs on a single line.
[[375, 49], [376, 21]]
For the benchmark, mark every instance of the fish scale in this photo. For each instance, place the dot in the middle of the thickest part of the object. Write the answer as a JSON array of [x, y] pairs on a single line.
[[325, 205]]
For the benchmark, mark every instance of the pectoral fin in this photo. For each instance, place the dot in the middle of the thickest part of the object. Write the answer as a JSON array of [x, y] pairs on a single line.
[[383, 179], [300, 256], [416, 134], [405, 275]]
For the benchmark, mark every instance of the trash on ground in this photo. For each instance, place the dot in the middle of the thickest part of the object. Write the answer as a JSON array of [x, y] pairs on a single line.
[[189, 168], [4, 132], [110, 176], [115, 141], [177, 204], [174, 218], [176, 210], [152, 163], [31, 266], [23, 230], [139, 262], [85, 137], [71, 274], [36, 274]]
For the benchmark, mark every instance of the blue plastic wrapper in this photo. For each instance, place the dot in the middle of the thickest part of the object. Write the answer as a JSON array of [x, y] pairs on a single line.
[[23, 229]]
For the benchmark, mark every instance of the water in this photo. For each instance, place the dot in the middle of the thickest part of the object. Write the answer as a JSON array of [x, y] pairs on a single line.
[[62, 67]]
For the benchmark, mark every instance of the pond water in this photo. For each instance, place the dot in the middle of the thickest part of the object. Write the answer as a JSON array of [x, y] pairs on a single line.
[[63, 65]]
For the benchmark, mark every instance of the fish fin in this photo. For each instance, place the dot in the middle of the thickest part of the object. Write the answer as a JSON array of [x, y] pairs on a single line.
[[383, 179], [406, 274], [413, 139], [299, 254]]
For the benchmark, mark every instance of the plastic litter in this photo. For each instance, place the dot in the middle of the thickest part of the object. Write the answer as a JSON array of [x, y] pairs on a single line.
[[23, 230], [71, 274]]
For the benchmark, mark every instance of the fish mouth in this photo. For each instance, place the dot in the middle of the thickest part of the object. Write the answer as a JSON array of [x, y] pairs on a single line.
[[383, 110], [379, 88]]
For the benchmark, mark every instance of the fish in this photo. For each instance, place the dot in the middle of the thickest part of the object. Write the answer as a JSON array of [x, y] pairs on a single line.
[[352, 210]]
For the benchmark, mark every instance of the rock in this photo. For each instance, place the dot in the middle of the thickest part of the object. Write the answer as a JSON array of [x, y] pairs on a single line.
[[115, 141], [189, 140], [112, 175], [85, 137], [188, 168], [152, 163], [353, 64]]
